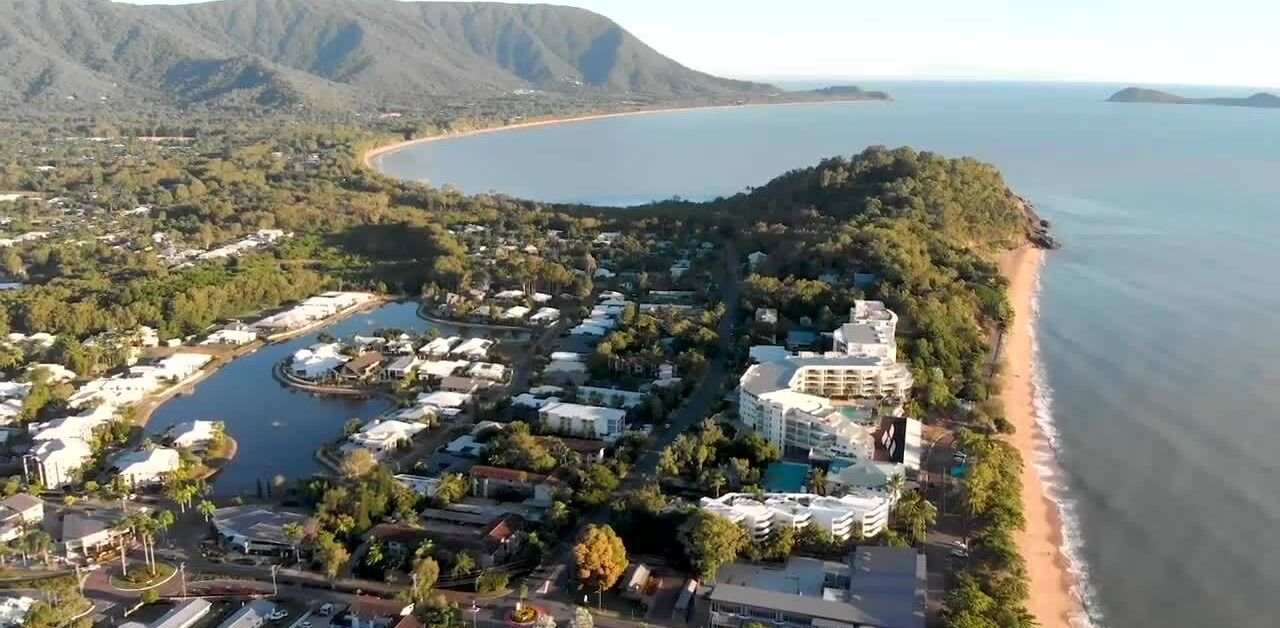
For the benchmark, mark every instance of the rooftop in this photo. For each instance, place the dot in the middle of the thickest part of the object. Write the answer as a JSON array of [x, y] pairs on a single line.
[[882, 587]]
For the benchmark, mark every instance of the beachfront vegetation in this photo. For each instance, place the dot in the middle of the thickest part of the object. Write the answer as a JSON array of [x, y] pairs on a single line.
[[993, 590]]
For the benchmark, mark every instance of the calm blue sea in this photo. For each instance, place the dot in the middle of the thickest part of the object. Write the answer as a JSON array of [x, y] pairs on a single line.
[[1158, 331]]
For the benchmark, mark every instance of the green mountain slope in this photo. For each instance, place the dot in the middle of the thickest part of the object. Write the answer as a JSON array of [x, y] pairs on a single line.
[[279, 52]]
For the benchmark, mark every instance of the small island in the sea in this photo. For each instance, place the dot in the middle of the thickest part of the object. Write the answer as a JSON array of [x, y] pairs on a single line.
[[851, 92], [1261, 100]]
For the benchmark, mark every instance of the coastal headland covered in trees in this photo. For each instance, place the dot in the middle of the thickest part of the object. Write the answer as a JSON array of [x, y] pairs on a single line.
[[114, 198]]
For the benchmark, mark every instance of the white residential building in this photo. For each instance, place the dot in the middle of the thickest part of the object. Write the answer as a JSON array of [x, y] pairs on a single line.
[[140, 468], [231, 336], [515, 312], [381, 437], [488, 371], [472, 349], [54, 462], [572, 419], [870, 332], [440, 369], [788, 400], [317, 361], [193, 433], [439, 347], [862, 514], [545, 316]]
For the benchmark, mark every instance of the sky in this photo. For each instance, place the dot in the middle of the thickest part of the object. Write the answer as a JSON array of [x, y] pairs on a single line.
[[1202, 42]]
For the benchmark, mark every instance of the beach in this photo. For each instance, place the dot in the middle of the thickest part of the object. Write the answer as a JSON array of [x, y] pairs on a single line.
[[374, 153], [1052, 600]]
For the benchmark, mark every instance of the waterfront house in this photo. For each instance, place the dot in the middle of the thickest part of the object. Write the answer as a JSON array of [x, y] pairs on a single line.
[[148, 466], [317, 361], [231, 336], [472, 349], [439, 347], [193, 433], [400, 367], [514, 313], [360, 368], [381, 437], [434, 371]]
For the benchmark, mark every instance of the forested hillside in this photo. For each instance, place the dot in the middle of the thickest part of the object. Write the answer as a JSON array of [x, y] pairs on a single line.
[[281, 53]]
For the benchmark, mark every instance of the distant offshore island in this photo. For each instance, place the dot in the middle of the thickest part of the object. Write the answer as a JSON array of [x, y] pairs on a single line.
[[1261, 100]]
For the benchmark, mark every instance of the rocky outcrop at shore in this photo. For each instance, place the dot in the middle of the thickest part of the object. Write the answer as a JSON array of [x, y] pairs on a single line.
[[1038, 228]]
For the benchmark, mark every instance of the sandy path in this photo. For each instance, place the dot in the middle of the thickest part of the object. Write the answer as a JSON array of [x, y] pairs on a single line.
[[1052, 601]]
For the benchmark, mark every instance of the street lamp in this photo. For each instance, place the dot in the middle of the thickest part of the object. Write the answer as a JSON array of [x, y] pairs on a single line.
[[275, 589], [475, 610]]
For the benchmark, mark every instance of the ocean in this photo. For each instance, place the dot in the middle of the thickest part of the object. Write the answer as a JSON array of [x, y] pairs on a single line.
[[1158, 351]]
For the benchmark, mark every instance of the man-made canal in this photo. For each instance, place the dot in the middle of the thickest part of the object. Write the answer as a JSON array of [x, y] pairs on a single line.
[[277, 428]]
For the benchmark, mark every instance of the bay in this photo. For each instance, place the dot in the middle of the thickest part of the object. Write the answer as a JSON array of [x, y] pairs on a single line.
[[1157, 325]]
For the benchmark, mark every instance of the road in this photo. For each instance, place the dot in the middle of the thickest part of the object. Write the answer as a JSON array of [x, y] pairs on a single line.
[[695, 407], [709, 389]]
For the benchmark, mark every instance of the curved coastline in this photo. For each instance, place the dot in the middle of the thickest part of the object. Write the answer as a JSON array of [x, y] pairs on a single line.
[[369, 158], [1054, 572]]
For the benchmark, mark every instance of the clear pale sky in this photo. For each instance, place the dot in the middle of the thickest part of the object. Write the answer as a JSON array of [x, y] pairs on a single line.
[[1212, 42]]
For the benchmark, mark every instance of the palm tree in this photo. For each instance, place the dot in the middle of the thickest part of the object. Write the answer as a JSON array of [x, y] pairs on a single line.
[[918, 514], [206, 508], [164, 519], [121, 529], [896, 483]]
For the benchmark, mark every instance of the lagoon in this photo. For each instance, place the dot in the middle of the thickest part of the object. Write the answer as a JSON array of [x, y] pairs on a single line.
[[277, 428]]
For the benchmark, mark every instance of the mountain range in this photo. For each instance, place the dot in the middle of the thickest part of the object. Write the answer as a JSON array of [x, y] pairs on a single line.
[[1138, 94], [280, 53]]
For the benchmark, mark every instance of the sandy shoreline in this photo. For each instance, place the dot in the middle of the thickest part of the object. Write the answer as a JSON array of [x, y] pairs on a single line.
[[374, 153], [1052, 601]]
